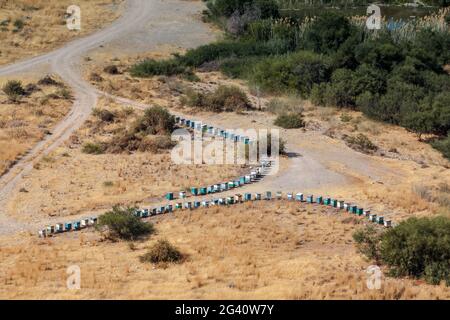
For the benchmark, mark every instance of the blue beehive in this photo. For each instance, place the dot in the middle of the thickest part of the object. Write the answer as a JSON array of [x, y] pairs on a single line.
[[68, 226], [319, 200], [299, 197], [248, 197], [162, 210], [268, 195], [203, 191], [223, 186], [237, 183], [188, 123], [248, 179], [242, 180], [194, 191], [210, 189], [169, 208], [290, 196], [197, 204], [146, 213], [310, 199], [192, 124], [354, 209], [77, 225]]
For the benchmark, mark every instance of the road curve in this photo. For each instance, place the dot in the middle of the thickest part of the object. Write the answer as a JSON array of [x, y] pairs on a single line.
[[66, 63]]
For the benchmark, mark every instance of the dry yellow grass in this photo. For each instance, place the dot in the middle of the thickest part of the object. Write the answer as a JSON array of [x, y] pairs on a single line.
[[275, 250], [69, 182], [24, 123], [44, 24]]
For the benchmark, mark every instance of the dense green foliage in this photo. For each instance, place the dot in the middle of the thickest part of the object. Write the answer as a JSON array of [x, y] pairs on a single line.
[[334, 62], [156, 120], [121, 223], [417, 247]]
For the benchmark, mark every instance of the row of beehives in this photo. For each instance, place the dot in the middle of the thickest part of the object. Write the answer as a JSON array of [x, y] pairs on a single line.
[[238, 198], [197, 125], [225, 186], [216, 188]]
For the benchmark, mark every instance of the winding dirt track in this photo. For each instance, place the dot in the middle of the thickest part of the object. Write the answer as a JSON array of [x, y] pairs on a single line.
[[169, 22]]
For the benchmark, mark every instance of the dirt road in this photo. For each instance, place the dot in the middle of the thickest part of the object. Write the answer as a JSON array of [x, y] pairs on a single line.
[[147, 24]]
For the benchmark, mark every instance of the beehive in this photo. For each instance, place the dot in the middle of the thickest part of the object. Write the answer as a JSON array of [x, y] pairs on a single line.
[[299, 197], [268, 195], [169, 196]]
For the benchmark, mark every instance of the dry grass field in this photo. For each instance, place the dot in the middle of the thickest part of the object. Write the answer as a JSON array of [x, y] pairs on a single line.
[[259, 250], [27, 121], [70, 182], [30, 27]]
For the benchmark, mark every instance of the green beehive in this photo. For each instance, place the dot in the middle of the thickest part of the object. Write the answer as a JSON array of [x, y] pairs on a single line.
[[203, 191], [335, 203], [327, 201], [319, 200], [194, 191], [169, 196], [179, 205], [360, 211]]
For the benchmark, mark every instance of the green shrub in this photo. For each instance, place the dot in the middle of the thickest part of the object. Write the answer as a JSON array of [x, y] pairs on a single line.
[[162, 252], [156, 120], [295, 73], [360, 143], [443, 146], [93, 148], [419, 247], [14, 90], [224, 98], [290, 121], [121, 223], [152, 67], [368, 242]]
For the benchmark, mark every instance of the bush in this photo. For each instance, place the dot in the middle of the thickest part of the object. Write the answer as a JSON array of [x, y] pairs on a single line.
[[225, 98], [156, 120], [360, 143], [152, 67], [419, 247], [48, 81], [104, 115], [121, 223], [443, 146], [290, 121], [129, 142], [368, 242], [93, 148], [295, 73], [111, 69], [14, 90], [162, 252]]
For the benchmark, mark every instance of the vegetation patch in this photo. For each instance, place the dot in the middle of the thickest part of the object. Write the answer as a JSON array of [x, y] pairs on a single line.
[[417, 247], [121, 223], [162, 252], [224, 98], [290, 121], [360, 143]]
